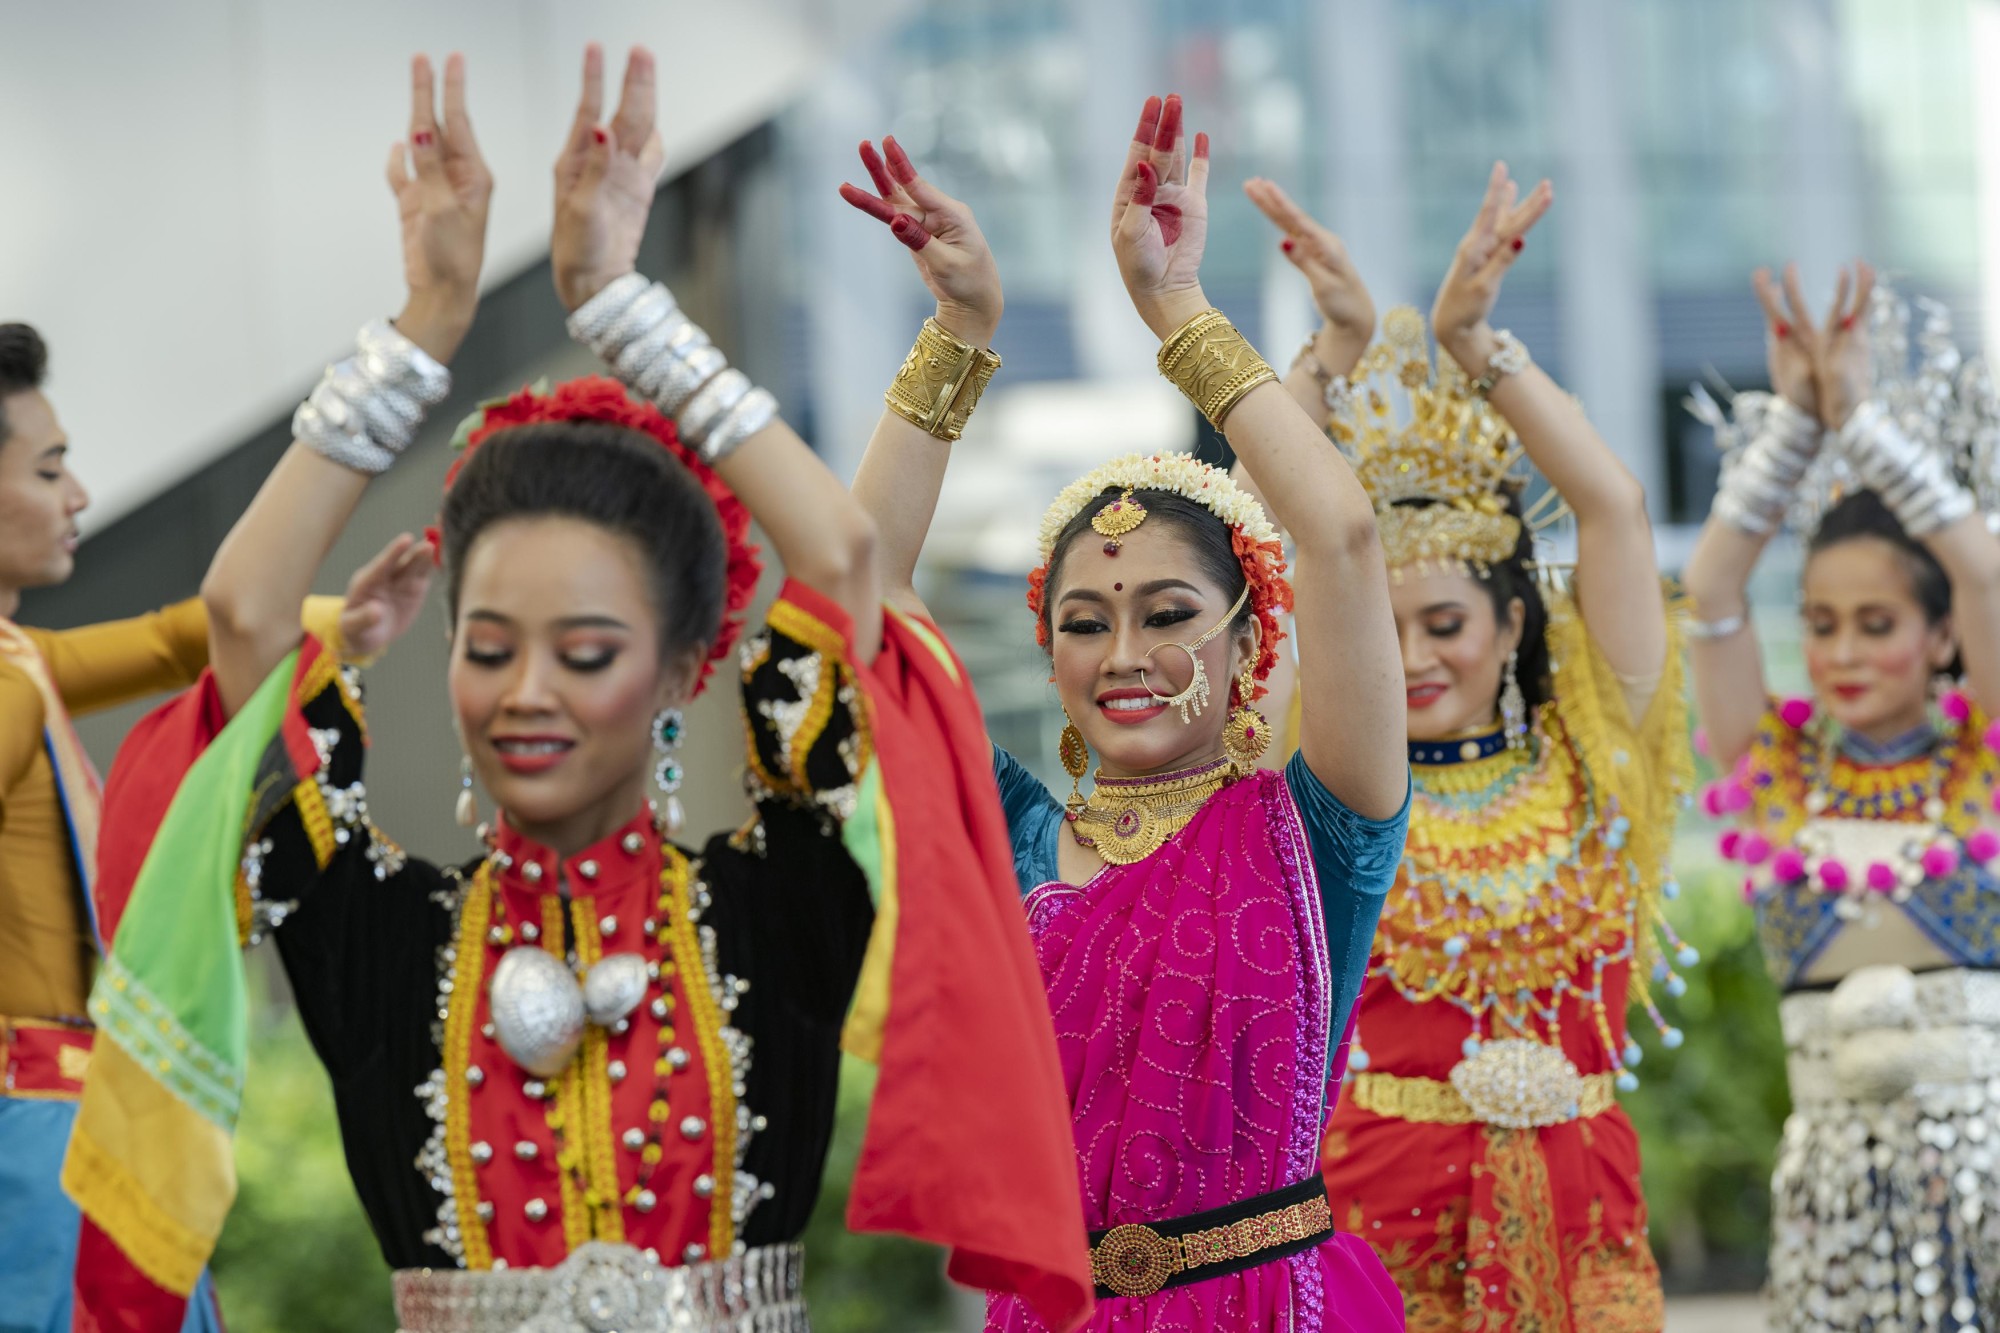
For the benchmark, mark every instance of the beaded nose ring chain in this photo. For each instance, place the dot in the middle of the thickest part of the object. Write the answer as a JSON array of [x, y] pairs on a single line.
[[1192, 700]]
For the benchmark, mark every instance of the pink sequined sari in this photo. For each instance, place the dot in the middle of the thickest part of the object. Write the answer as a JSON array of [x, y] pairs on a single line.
[[1190, 995]]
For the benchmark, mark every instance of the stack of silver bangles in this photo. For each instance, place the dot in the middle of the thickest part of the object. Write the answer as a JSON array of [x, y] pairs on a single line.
[[1756, 491], [1915, 482], [365, 410], [639, 331]]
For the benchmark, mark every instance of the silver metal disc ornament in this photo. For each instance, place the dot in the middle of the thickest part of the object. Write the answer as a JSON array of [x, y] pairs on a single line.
[[538, 1010], [613, 987]]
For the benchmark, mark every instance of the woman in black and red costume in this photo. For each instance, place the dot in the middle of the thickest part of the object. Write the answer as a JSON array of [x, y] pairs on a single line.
[[595, 1060]]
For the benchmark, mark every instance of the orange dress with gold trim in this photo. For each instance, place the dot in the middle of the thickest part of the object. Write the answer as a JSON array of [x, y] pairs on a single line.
[[1477, 1144]]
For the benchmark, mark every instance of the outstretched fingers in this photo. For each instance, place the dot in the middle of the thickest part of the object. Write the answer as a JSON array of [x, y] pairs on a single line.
[[877, 170], [1767, 297], [1795, 299], [590, 104], [1139, 150], [1197, 172], [425, 153], [458, 136], [904, 172], [638, 103], [873, 206]]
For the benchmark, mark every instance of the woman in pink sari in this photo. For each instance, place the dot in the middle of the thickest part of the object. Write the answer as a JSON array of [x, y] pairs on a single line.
[[1201, 922]]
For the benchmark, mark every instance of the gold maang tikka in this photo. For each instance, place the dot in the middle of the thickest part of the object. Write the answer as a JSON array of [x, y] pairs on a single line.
[[1117, 520]]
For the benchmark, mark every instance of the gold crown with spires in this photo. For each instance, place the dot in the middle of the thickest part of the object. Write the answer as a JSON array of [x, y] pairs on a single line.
[[1435, 458]]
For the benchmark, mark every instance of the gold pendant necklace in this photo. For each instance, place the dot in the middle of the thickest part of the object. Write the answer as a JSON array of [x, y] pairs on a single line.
[[1128, 819]]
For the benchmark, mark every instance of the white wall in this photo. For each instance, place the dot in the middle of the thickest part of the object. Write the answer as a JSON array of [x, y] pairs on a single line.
[[192, 202]]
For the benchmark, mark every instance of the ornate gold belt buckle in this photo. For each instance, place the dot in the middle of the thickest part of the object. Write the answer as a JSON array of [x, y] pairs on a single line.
[[1519, 1084], [1134, 1260]]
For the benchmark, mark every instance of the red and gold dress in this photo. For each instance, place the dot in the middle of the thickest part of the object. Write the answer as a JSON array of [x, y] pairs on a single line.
[[1478, 1145]]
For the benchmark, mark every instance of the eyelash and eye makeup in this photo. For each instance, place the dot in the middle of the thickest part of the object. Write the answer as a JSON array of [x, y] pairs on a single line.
[[1161, 619], [1447, 629], [489, 659]]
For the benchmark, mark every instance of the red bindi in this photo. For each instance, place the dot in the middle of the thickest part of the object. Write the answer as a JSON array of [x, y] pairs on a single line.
[[1118, 587]]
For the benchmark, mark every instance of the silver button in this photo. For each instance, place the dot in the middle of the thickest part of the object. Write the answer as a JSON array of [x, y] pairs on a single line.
[[704, 1185], [694, 1253], [474, 1075], [645, 1200], [530, 931], [482, 1152], [536, 1210], [526, 1150], [607, 925], [496, 935], [635, 1139], [588, 869], [615, 1071], [486, 1031], [532, 872], [534, 1089], [485, 1210], [693, 1128], [660, 1008], [632, 843], [677, 1058]]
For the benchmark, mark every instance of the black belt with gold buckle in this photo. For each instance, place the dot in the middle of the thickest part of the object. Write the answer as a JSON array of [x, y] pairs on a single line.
[[1140, 1258]]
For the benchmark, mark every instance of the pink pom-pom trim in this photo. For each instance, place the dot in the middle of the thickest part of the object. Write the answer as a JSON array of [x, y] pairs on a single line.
[[1735, 797], [1795, 712], [1755, 849], [1711, 800], [1954, 705], [1832, 875], [1983, 845], [1729, 844], [1788, 866], [1993, 736], [1940, 860], [1881, 876]]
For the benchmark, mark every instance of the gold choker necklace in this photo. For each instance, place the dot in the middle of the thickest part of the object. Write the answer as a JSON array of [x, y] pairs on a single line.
[[1128, 819]]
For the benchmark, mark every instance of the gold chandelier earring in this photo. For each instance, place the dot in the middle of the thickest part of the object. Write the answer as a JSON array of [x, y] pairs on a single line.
[[1075, 756], [1247, 734]]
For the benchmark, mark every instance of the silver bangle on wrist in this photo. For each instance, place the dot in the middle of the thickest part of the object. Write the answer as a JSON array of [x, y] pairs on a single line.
[[1710, 630], [1757, 488], [365, 410], [655, 349], [1915, 483], [1510, 357]]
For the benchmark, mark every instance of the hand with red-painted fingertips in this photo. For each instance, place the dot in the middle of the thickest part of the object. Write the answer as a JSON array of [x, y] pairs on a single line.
[[1844, 368], [605, 179], [1790, 339], [442, 190], [1159, 222], [1465, 300], [1337, 289], [943, 238]]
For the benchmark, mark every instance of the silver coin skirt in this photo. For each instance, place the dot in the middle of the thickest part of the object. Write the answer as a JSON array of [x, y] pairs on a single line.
[[603, 1287], [1885, 1200]]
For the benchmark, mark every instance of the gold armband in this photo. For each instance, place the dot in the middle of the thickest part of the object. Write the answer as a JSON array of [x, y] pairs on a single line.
[[1213, 364], [940, 382]]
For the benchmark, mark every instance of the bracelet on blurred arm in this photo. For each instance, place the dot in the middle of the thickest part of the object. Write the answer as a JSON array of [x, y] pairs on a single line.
[[365, 410], [1509, 357], [1915, 482], [641, 332], [1758, 486]]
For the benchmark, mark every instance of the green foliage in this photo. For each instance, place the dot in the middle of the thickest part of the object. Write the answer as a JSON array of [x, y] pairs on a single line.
[[297, 1254], [1709, 1113]]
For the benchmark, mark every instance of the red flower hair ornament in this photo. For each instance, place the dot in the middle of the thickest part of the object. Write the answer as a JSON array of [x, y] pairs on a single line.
[[595, 398], [1255, 541]]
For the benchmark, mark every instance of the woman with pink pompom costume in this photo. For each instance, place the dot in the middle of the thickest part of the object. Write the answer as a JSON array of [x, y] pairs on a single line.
[[1864, 817]]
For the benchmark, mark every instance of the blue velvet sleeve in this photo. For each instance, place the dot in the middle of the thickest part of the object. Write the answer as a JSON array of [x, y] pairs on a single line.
[[1355, 859], [1033, 815]]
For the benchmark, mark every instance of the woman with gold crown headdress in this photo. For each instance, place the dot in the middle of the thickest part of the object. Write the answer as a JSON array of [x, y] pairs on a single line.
[[587, 1078], [1477, 1143], [1200, 921], [1865, 813]]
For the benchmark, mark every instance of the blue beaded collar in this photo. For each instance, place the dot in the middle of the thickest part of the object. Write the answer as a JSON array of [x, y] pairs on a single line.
[[1462, 750], [1917, 741]]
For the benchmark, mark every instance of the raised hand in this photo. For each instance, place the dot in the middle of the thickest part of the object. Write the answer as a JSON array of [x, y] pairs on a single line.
[[1472, 286], [1159, 218], [384, 597], [951, 254], [1791, 341], [1337, 289], [605, 179], [1844, 361], [442, 190]]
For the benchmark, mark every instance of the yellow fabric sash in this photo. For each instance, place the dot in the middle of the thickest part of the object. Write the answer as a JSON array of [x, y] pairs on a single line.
[[77, 783]]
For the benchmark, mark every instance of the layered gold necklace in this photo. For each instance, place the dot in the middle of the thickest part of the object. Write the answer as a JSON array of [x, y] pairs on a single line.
[[1128, 819]]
